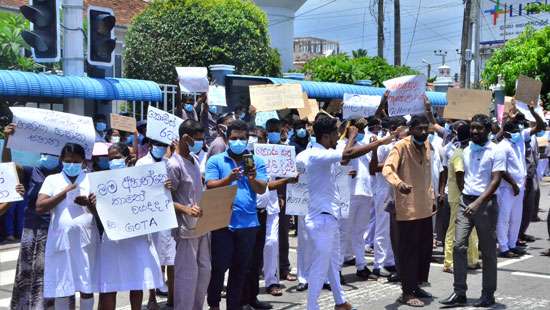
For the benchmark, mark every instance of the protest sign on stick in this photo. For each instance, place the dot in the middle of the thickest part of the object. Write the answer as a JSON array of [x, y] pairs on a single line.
[[217, 206], [356, 106], [216, 96], [297, 195], [280, 160], [123, 123], [192, 79], [273, 97], [162, 126], [464, 103], [406, 95], [528, 90], [8, 181], [133, 201], [47, 131]]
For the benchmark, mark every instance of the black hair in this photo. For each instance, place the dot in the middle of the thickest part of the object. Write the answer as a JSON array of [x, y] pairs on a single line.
[[190, 127], [324, 125], [122, 148], [440, 121], [396, 122], [274, 123], [483, 120], [360, 123], [224, 117], [462, 130], [72, 148], [417, 120], [99, 117], [237, 125], [301, 123], [373, 121], [510, 126]]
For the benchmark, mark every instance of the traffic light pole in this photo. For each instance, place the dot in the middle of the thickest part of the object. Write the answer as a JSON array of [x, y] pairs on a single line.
[[73, 48]]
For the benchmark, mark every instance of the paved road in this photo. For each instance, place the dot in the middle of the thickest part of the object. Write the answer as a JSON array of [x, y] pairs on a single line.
[[522, 283]]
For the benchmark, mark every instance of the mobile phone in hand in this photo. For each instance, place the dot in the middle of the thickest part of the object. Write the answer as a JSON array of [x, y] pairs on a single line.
[[248, 162]]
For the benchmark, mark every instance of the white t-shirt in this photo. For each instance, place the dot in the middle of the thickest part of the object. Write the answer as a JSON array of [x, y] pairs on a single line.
[[478, 167], [437, 166], [514, 164]]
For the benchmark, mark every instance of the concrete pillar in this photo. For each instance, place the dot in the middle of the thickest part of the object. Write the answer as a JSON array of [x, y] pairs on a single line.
[[73, 48]]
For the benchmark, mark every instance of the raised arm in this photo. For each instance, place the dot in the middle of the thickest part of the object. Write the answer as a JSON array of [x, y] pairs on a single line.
[[8, 131], [353, 150], [539, 123]]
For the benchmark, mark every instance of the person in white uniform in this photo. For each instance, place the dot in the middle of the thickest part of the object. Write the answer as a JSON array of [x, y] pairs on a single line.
[[321, 219], [70, 258], [165, 244], [129, 264], [303, 248]]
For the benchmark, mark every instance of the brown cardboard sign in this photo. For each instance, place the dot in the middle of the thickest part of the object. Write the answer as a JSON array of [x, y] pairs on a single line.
[[273, 97], [465, 103], [217, 206], [528, 90], [123, 123]]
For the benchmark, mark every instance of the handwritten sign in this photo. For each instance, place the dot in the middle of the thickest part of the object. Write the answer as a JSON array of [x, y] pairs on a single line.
[[360, 105], [216, 205], [162, 126], [47, 131], [192, 79], [8, 181], [310, 109], [465, 103], [297, 195], [123, 123], [406, 95], [528, 89], [133, 201], [273, 97], [280, 159], [262, 117], [216, 96], [343, 186]]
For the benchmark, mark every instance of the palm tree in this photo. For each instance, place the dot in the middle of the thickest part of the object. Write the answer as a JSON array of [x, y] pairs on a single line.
[[359, 53]]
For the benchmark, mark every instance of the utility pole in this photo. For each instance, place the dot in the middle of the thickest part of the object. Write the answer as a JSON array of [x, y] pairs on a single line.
[[73, 48], [442, 54], [477, 39], [429, 68], [466, 42], [397, 33], [381, 28]]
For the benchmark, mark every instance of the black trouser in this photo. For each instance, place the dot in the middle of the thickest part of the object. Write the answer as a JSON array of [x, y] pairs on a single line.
[[485, 223], [284, 226], [530, 205], [442, 220], [394, 237], [231, 249], [415, 251], [251, 287]]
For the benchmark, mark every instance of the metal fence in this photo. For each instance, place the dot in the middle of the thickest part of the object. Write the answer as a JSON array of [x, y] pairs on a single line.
[[138, 109]]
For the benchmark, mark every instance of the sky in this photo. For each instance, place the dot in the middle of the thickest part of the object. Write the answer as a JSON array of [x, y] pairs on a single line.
[[426, 25]]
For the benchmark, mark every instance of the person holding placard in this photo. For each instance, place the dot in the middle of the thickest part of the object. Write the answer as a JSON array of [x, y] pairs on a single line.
[[232, 246], [165, 244], [100, 125], [20, 189], [322, 218], [129, 264], [73, 237]]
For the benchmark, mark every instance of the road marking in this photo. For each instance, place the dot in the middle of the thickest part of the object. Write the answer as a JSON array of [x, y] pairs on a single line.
[[513, 261], [529, 274], [5, 303], [7, 277], [9, 256]]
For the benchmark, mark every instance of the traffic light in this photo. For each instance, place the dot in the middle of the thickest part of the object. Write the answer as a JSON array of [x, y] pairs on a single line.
[[101, 36], [44, 37]]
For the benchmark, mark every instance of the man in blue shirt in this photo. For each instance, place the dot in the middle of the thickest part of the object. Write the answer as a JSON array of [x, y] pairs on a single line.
[[232, 246]]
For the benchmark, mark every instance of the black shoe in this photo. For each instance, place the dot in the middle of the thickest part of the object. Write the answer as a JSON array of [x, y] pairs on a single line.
[[454, 300], [508, 254], [365, 274], [350, 262], [485, 302], [326, 286], [391, 269], [301, 287], [381, 272], [420, 293], [260, 305], [394, 278], [518, 251], [161, 293], [528, 238], [342, 280]]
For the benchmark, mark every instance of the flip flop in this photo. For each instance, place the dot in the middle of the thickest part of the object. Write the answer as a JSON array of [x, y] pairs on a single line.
[[411, 302]]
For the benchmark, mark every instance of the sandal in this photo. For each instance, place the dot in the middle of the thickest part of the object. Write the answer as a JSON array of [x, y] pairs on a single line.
[[448, 270], [290, 277], [274, 290], [411, 301]]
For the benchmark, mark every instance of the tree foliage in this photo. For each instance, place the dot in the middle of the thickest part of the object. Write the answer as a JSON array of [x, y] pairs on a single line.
[[344, 69], [12, 44], [359, 53], [173, 33], [528, 54]]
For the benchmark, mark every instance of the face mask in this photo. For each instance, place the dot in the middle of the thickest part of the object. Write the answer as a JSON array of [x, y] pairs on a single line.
[[313, 140], [476, 147], [197, 147], [117, 163], [274, 137], [540, 134], [115, 139], [213, 109], [419, 141], [251, 141], [72, 169], [515, 137], [103, 163], [141, 138], [360, 137], [130, 139], [301, 133], [290, 134], [100, 126], [188, 107], [49, 162], [237, 146], [158, 151]]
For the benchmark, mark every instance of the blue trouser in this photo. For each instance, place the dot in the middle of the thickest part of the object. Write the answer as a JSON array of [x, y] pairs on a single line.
[[14, 218]]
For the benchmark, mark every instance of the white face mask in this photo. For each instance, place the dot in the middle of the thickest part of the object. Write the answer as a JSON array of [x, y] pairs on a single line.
[[115, 139]]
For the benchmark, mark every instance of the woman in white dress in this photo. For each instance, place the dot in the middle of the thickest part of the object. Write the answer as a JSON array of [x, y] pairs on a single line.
[[72, 235], [129, 264]]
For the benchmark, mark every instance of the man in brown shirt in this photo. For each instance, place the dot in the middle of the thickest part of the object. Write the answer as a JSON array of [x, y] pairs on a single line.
[[408, 170]]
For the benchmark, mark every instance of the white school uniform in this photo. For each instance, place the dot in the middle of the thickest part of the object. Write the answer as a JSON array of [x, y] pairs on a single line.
[[70, 257], [345, 218], [303, 249], [478, 167], [270, 202]]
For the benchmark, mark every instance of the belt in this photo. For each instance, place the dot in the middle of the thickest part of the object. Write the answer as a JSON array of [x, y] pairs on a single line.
[[475, 197], [326, 213]]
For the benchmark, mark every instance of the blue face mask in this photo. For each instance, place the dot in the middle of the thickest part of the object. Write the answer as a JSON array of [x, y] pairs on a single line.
[[48, 162], [476, 147], [103, 163], [213, 109], [101, 126], [117, 163], [188, 107], [515, 137], [130, 139], [540, 134], [237, 147], [274, 137], [312, 140], [301, 133], [72, 169], [290, 134], [360, 136], [197, 147], [158, 151], [418, 142]]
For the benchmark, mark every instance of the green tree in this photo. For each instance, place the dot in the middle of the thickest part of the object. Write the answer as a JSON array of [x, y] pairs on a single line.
[[359, 53], [528, 54], [536, 7], [12, 44], [343, 69], [173, 33]]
